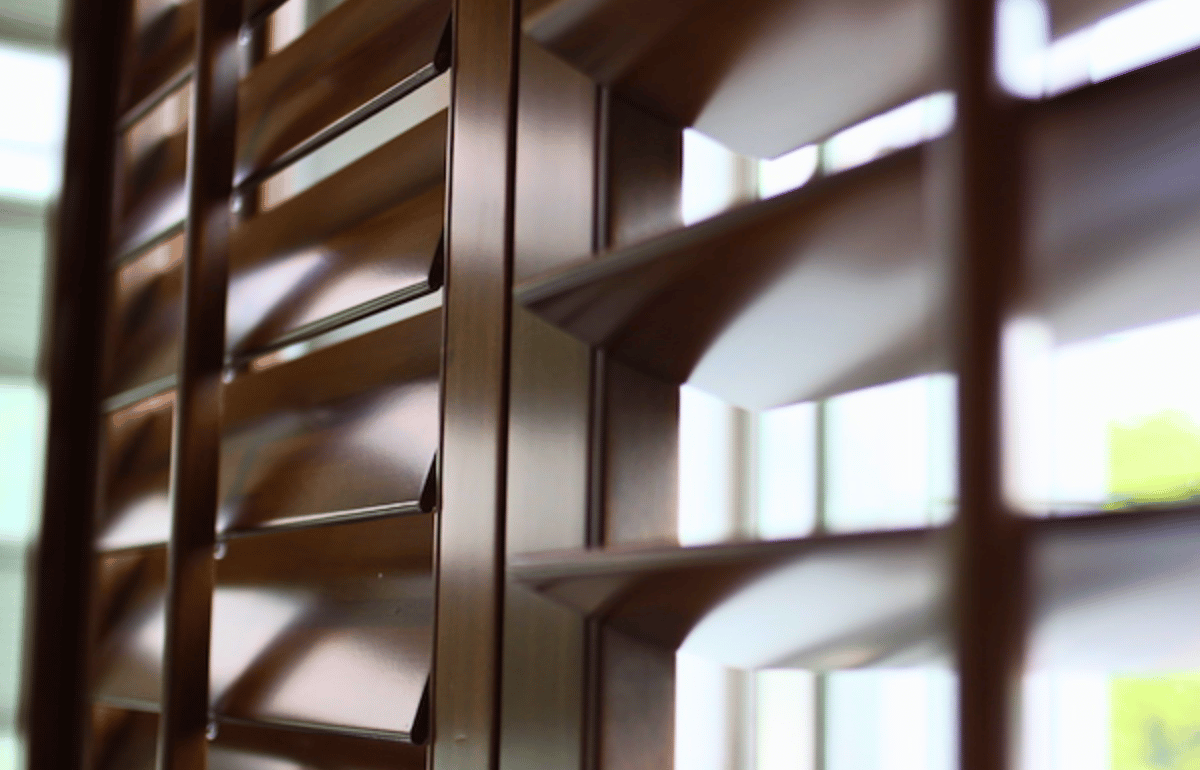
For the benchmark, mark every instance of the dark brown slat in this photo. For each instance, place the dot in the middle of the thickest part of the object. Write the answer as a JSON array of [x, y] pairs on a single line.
[[1114, 174], [152, 181], [730, 69], [58, 635], [146, 309], [195, 451], [162, 38], [470, 574], [130, 610], [368, 231], [122, 739], [352, 428], [327, 626], [350, 55], [846, 265], [137, 508], [246, 746]]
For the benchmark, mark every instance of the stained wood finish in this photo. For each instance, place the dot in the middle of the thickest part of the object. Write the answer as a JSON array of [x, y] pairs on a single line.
[[137, 507], [822, 602], [61, 574], [726, 68], [542, 698], [350, 430], [641, 457], [1113, 187], [122, 739], [637, 704], [130, 612], [989, 556], [152, 184], [845, 265], [475, 387], [365, 237], [352, 54], [162, 39], [328, 627], [644, 174], [195, 451], [146, 300], [244, 746]]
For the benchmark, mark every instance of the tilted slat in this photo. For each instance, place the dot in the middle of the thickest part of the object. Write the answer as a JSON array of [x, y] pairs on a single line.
[[762, 77], [130, 615], [247, 746], [136, 505], [122, 739], [153, 174], [162, 38], [145, 312], [813, 603], [350, 430], [352, 54], [369, 231], [1067, 16], [847, 266], [327, 627], [1114, 204]]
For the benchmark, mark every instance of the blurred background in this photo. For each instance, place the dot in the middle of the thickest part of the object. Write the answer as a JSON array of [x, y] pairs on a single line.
[[33, 75]]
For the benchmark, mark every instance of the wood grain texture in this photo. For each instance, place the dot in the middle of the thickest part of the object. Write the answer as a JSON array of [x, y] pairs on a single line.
[[727, 68], [145, 298], [136, 507], [475, 388], [348, 430], [848, 265], [370, 230], [350, 55], [641, 457], [542, 698], [327, 627], [644, 174]]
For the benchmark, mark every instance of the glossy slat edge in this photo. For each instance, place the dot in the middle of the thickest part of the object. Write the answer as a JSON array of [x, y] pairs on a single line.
[[122, 739], [136, 504], [327, 627], [130, 610], [145, 313], [349, 56], [847, 264], [370, 230], [349, 431], [1106, 589], [1113, 172], [249, 746], [725, 68], [163, 37]]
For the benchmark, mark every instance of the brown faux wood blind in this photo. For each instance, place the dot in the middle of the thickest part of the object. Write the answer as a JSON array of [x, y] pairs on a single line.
[[379, 460]]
